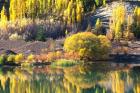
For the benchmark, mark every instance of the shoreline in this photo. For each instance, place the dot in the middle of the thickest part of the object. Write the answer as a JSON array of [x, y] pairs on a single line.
[[117, 53]]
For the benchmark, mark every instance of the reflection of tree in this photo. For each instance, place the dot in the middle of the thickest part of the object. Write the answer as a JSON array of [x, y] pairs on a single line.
[[95, 78], [11, 80], [135, 75], [84, 76], [5, 88], [92, 78], [48, 70], [118, 85], [96, 89], [25, 81]]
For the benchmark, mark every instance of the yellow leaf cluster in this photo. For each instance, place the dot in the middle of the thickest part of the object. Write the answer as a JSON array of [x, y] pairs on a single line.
[[19, 58]]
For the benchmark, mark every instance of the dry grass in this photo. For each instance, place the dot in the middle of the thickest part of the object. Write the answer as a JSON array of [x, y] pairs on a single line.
[[29, 29]]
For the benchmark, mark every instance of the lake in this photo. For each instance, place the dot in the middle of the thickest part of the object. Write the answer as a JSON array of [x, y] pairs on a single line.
[[83, 78]]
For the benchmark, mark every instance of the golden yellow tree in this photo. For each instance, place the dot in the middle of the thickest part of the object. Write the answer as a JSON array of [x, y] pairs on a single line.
[[3, 21], [98, 26], [3, 14], [118, 31], [70, 9], [117, 21]]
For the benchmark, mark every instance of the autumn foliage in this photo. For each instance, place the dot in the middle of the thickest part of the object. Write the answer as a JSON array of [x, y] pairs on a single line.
[[123, 24], [71, 10], [87, 45], [53, 56]]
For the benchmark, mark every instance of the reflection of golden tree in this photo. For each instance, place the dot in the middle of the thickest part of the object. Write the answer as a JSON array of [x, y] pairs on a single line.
[[24, 81], [78, 79], [118, 83], [82, 77], [137, 88], [135, 75]]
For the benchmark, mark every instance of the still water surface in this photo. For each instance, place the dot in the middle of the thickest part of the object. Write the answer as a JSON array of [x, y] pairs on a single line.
[[87, 78]]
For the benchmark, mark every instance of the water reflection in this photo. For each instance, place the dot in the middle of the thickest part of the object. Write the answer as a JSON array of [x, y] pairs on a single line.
[[84, 78]]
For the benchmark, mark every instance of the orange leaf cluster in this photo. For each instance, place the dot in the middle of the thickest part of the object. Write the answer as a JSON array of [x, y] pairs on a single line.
[[52, 56]]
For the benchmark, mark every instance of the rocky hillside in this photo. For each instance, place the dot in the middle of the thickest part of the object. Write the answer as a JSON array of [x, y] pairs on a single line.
[[105, 12], [26, 48]]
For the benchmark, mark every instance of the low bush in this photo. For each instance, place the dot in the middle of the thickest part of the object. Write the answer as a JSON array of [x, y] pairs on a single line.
[[19, 58], [49, 57], [11, 58], [88, 45], [15, 36], [71, 55], [40, 35], [2, 59], [30, 58], [53, 56], [136, 30]]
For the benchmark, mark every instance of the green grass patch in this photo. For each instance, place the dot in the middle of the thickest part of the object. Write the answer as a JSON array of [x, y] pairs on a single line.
[[65, 63], [26, 64]]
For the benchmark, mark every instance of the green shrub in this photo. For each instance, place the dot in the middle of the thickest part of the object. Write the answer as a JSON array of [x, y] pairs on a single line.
[[136, 30], [40, 36], [87, 45], [2, 59]]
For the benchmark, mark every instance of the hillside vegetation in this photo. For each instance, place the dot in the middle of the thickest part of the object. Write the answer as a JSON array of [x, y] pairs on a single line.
[[41, 19]]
